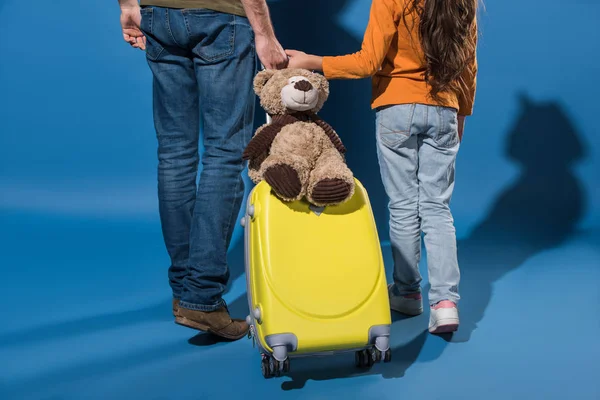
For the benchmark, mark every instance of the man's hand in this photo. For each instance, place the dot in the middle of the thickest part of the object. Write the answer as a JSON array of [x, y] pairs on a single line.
[[461, 126], [270, 52], [268, 49], [130, 23]]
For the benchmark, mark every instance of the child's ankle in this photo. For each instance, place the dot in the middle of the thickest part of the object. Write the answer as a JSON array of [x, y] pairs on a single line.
[[443, 304]]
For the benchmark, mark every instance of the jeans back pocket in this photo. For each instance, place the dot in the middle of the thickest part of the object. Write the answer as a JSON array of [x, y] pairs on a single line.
[[153, 47], [446, 134], [394, 124], [211, 33]]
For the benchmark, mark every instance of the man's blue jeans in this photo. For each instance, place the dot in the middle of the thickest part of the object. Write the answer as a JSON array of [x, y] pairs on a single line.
[[203, 63]]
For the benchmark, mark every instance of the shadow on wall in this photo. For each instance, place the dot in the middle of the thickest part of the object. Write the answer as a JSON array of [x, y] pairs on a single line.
[[536, 213]]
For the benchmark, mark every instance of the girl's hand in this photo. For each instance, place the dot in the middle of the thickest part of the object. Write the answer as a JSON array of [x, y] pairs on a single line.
[[299, 59]]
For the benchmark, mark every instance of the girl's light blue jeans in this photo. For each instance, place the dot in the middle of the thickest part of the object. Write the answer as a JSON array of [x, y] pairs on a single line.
[[417, 147]]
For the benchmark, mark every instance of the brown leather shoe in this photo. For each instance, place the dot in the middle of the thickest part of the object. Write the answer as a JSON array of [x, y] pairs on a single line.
[[175, 307], [217, 322]]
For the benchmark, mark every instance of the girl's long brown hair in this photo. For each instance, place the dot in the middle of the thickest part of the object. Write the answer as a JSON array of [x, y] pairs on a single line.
[[447, 32]]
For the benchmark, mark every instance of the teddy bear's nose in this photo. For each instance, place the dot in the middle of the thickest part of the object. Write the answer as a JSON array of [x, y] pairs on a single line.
[[304, 86]]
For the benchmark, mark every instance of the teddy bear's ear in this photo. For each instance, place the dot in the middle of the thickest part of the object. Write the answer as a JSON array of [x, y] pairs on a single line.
[[261, 79], [323, 83]]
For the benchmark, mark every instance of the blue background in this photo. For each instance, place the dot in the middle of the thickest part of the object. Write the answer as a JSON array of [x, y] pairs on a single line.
[[84, 300]]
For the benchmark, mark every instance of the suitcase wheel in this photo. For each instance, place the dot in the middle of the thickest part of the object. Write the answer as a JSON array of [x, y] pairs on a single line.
[[363, 359], [270, 367], [375, 355], [368, 357], [387, 356], [264, 367]]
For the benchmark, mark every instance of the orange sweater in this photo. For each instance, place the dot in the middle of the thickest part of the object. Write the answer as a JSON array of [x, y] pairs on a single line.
[[392, 55]]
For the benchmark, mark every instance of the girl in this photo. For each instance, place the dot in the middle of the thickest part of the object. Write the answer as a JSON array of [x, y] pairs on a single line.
[[422, 57]]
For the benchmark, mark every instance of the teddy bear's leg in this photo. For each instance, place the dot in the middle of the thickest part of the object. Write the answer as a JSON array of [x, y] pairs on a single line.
[[287, 175], [331, 182]]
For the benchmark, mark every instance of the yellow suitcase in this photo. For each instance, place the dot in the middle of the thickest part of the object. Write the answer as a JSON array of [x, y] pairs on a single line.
[[316, 280]]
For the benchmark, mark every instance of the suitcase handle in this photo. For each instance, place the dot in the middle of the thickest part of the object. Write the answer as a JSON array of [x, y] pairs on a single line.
[[268, 117]]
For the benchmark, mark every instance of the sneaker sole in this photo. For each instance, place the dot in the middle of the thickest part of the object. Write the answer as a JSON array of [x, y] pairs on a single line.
[[188, 323], [445, 326]]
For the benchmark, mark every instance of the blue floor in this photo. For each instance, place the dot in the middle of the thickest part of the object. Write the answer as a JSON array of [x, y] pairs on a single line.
[[95, 323]]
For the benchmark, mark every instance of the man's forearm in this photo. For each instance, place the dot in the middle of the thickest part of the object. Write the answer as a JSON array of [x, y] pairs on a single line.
[[258, 15], [128, 3]]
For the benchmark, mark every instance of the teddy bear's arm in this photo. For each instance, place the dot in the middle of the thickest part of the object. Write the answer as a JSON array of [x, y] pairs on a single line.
[[262, 140], [335, 139], [255, 162]]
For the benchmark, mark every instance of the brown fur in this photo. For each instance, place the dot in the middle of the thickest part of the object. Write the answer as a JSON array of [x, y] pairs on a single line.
[[329, 167], [298, 146], [335, 139], [262, 140]]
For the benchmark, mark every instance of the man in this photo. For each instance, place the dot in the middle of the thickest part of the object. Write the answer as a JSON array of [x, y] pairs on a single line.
[[202, 54]]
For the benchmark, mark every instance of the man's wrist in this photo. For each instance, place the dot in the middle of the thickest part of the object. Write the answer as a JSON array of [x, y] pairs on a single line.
[[129, 5], [266, 36], [260, 20]]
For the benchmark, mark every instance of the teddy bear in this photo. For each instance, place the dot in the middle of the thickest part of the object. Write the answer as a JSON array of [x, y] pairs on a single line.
[[298, 154]]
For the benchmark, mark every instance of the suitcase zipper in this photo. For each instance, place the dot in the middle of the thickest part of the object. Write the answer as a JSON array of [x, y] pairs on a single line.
[[252, 336]]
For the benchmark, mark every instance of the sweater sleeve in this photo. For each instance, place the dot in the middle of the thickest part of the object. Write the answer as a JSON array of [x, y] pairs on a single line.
[[469, 77], [380, 31]]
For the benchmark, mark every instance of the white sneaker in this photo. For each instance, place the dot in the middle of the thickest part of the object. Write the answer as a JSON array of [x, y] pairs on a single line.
[[443, 317], [411, 304]]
